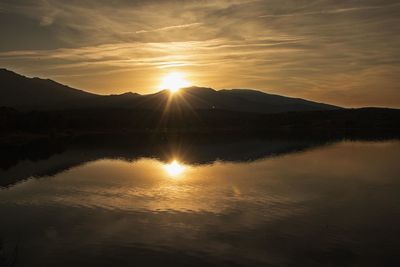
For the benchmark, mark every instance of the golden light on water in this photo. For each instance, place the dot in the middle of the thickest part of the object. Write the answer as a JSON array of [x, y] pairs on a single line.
[[174, 168], [174, 81]]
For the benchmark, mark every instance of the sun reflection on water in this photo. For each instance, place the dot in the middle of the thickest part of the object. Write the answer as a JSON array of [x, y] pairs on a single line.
[[174, 168]]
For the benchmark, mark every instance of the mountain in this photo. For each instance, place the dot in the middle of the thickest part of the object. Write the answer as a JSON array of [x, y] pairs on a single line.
[[25, 93], [19, 91]]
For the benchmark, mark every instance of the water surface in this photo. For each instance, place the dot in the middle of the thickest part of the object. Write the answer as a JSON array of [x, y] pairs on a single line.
[[330, 204]]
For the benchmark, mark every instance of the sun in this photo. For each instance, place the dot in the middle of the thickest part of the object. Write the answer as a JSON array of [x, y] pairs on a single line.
[[174, 81], [174, 168]]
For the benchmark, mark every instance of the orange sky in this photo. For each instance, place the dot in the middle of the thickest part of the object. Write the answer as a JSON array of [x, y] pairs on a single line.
[[340, 52]]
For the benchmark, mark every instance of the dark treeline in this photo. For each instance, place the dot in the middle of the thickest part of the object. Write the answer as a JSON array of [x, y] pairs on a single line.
[[366, 120], [117, 120]]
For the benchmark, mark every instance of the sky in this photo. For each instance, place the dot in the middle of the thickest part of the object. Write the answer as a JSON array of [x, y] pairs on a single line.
[[343, 52]]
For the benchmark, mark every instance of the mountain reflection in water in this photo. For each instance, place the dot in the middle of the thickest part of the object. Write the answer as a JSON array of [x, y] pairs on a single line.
[[276, 203], [49, 157]]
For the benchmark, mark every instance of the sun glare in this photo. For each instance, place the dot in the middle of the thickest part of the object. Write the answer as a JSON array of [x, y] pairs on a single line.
[[174, 168], [174, 81]]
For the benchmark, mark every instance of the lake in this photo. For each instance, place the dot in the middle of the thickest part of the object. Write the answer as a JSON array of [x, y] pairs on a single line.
[[239, 203]]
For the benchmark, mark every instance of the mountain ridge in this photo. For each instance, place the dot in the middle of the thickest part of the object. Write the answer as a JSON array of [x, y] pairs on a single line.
[[25, 93]]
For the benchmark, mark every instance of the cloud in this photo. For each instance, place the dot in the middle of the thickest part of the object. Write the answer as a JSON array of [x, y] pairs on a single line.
[[325, 50], [331, 11], [170, 27]]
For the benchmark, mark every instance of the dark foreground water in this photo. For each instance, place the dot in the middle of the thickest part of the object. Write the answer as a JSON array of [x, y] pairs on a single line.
[[279, 204]]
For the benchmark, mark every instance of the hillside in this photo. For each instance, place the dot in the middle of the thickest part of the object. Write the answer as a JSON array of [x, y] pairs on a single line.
[[24, 93]]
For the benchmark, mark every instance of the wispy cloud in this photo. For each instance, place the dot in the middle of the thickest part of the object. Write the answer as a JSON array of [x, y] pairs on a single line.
[[170, 28], [326, 50], [331, 11]]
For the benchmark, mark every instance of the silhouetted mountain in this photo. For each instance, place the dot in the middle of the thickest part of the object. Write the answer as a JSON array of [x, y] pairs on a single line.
[[33, 93], [19, 91]]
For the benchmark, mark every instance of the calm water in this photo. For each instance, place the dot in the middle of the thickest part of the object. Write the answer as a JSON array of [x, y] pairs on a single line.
[[281, 204]]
